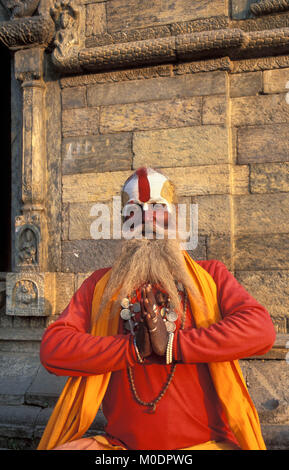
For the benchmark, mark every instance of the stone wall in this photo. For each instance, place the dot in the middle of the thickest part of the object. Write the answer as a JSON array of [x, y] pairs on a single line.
[[196, 89]]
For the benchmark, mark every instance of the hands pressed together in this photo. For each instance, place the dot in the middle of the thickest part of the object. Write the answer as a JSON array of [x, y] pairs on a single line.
[[152, 334]]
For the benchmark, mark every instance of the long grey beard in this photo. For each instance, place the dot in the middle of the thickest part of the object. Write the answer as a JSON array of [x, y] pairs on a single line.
[[143, 260]]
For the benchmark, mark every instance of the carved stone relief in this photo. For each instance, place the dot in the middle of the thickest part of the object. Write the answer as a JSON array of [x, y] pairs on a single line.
[[20, 8], [27, 252], [25, 294], [28, 245], [65, 15], [265, 7], [27, 32]]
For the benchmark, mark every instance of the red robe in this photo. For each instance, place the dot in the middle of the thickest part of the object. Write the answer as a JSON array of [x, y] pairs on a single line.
[[190, 412]]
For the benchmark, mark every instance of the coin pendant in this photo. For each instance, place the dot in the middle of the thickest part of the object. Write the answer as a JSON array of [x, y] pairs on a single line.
[[125, 302], [172, 316], [125, 314], [136, 307], [163, 312], [170, 326]]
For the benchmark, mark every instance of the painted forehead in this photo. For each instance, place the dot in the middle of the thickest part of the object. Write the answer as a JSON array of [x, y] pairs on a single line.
[[147, 185]]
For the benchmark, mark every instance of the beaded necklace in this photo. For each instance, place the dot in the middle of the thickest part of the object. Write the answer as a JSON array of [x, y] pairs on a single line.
[[152, 404]]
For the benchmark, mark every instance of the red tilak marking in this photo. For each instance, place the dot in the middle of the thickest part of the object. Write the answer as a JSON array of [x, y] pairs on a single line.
[[143, 185]]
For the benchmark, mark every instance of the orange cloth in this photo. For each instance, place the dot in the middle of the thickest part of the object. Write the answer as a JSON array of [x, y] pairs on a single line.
[[101, 443], [82, 396]]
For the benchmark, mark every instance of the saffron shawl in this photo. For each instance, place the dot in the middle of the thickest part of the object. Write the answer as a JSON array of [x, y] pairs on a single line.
[[81, 397]]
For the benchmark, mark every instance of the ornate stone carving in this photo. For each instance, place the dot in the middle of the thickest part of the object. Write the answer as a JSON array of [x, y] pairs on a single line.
[[25, 32], [265, 7], [20, 8], [27, 242], [260, 63], [233, 43], [28, 247], [65, 15], [25, 294]]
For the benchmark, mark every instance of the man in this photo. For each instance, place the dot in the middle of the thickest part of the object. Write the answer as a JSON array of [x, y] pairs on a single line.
[[155, 340]]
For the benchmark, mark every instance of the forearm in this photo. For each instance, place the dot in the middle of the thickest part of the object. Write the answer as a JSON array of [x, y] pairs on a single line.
[[65, 351], [235, 337], [245, 328]]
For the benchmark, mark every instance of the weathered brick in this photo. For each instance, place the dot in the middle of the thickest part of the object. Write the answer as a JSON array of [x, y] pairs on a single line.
[[200, 180], [261, 213], [150, 115], [240, 179], [214, 213], [245, 84], [88, 255], [95, 19], [262, 109], [268, 387], [257, 144], [80, 219], [122, 14], [73, 97], [163, 88], [262, 251], [219, 246], [184, 146], [64, 290], [214, 109], [80, 122], [97, 154], [275, 80], [94, 186], [270, 288], [269, 177]]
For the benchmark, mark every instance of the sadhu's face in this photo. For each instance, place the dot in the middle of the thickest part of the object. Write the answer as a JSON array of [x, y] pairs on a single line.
[[151, 216]]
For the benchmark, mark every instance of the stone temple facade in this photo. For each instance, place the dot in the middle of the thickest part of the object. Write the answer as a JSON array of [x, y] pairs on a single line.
[[198, 89]]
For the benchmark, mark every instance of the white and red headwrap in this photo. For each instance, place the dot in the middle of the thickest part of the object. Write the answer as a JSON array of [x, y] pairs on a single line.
[[147, 186]]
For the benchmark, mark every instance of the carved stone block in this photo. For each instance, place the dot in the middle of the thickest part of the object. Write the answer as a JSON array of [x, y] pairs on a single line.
[[122, 14], [151, 115], [25, 294], [132, 91], [262, 251], [214, 213], [260, 144], [80, 121], [269, 178], [258, 110], [261, 213], [275, 80], [29, 63], [74, 97], [245, 84], [214, 109], [270, 288], [95, 19], [183, 146], [219, 246], [268, 386], [100, 153], [27, 242]]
